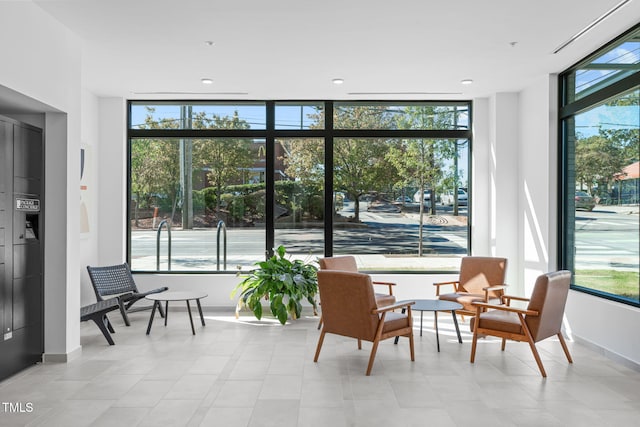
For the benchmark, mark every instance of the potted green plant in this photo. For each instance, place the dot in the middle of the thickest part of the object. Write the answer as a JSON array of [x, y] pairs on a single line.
[[284, 283]]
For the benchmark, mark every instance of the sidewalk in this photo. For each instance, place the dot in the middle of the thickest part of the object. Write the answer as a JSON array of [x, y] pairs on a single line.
[[619, 209]]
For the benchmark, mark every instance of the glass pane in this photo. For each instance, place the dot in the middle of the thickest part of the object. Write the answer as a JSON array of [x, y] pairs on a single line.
[[299, 116], [415, 116], [605, 197], [618, 62], [389, 202], [222, 197], [198, 116], [299, 210]]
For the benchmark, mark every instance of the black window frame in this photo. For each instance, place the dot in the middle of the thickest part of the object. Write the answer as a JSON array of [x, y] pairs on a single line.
[[270, 133], [567, 110]]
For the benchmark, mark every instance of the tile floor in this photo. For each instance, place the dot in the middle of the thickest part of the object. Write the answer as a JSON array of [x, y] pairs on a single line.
[[250, 373]]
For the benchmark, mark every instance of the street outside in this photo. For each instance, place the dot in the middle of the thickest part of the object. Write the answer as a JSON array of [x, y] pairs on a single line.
[[386, 239], [607, 238]]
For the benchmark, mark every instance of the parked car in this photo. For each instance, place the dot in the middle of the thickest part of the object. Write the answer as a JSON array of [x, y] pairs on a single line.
[[404, 199], [448, 200], [425, 197], [584, 201]]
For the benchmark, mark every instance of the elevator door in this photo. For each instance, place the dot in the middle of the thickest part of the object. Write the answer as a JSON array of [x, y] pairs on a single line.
[[21, 246]]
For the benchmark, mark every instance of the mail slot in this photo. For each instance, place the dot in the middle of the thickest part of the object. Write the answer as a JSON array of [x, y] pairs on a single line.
[[26, 219]]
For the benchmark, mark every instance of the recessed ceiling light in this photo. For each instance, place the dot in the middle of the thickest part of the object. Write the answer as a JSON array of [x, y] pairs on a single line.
[[206, 81], [337, 81], [209, 43], [466, 81]]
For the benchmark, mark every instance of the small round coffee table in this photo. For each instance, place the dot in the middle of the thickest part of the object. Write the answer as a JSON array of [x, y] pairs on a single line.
[[175, 296], [436, 305]]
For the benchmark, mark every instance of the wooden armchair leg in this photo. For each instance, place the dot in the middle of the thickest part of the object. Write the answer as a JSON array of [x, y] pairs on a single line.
[[504, 343], [532, 344], [473, 344], [534, 350], [413, 358], [372, 357], [320, 341], [565, 348]]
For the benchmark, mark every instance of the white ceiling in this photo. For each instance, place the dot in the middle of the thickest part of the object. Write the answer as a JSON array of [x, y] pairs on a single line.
[[292, 49]]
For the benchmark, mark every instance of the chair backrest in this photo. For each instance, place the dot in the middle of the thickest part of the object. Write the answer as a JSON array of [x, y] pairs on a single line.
[[347, 301], [111, 280], [477, 272], [548, 298], [341, 263]]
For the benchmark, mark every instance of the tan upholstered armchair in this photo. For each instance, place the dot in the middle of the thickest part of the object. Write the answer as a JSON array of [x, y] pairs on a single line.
[[349, 309], [540, 320], [481, 280], [348, 263]]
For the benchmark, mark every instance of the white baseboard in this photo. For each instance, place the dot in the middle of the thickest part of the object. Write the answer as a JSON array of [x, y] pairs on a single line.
[[608, 353], [62, 357]]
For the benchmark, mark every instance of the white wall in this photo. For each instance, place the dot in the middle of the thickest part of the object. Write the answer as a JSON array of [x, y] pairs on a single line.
[[481, 179], [41, 63], [219, 287], [494, 177], [106, 137], [89, 196], [112, 203], [607, 326], [537, 180]]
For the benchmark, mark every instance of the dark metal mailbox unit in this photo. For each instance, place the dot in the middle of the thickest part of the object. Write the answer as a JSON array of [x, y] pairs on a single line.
[[21, 246]]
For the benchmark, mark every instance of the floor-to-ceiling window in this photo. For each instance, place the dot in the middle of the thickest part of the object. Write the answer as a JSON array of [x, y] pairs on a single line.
[[215, 186], [600, 116]]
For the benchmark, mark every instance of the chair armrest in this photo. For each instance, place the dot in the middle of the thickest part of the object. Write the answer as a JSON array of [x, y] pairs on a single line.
[[389, 284], [484, 305], [446, 283], [392, 307], [492, 288], [506, 299], [454, 283], [516, 298], [123, 295], [154, 291]]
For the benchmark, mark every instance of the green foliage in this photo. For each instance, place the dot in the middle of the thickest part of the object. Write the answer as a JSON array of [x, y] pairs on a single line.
[[616, 282], [245, 188], [599, 158], [242, 201], [198, 201], [236, 208], [283, 282], [300, 198], [210, 197], [315, 206], [255, 203]]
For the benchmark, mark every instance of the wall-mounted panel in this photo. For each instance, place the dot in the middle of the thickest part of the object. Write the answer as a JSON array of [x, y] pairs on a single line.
[[21, 246]]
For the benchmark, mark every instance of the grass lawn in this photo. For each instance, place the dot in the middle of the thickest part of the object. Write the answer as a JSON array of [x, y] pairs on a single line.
[[623, 283]]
